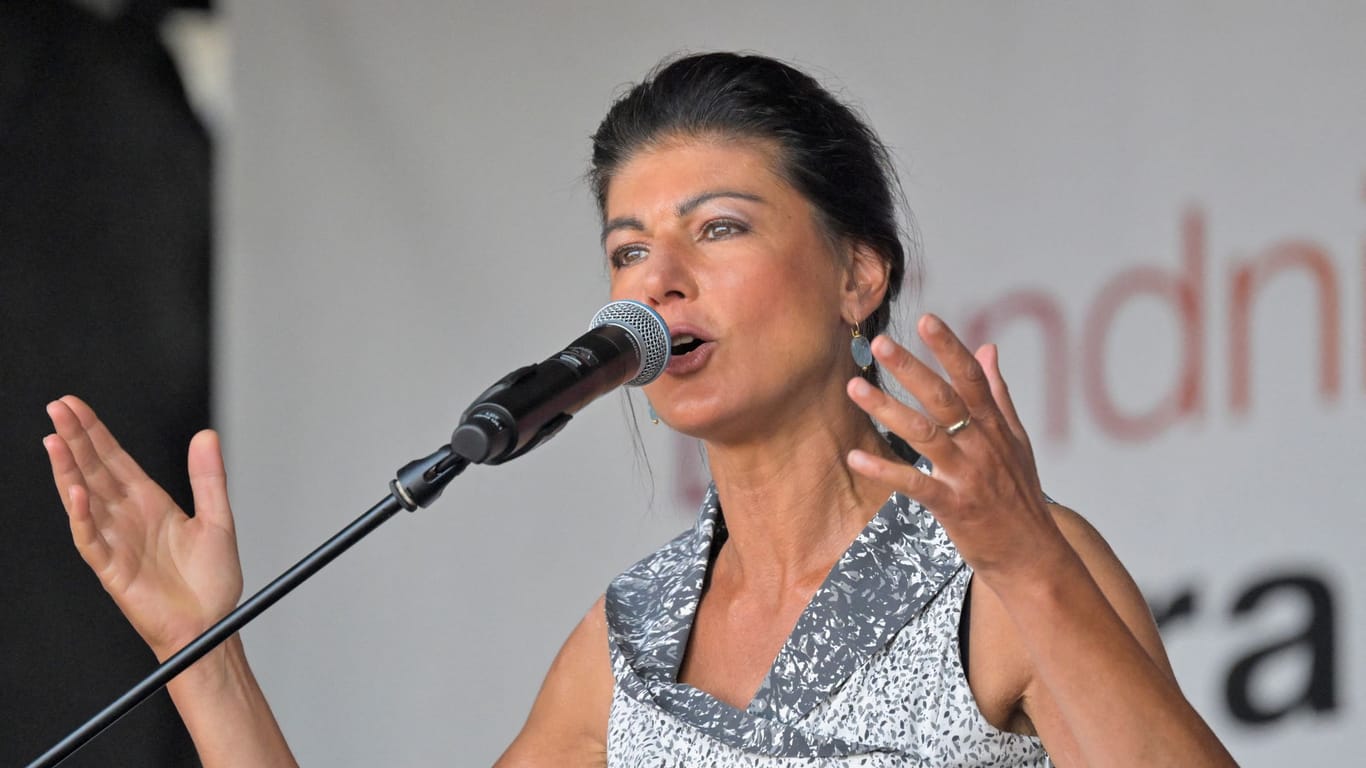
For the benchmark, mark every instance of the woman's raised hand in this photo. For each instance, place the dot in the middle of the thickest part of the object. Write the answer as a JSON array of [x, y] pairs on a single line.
[[984, 488], [172, 575]]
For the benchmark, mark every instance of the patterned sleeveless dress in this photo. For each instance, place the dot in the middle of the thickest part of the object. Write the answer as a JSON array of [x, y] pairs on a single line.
[[870, 676]]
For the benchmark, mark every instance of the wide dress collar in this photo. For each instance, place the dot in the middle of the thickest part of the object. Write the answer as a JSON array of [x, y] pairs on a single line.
[[886, 577]]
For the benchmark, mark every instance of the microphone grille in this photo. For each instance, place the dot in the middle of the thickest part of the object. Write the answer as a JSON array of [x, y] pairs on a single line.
[[648, 333]]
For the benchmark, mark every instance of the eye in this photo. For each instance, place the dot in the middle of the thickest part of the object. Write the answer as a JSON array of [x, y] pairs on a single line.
[[626, 255], [718, 229]]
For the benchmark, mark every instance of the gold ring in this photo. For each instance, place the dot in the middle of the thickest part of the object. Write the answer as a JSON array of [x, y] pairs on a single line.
[[958, 426]]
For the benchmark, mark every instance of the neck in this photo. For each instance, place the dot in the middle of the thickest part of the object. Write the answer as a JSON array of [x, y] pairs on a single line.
[[791, 503]]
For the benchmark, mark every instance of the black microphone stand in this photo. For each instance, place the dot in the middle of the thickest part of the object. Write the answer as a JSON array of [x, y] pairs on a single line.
[[417, 485]]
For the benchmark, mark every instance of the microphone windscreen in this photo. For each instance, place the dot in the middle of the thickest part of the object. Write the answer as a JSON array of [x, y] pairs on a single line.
[[648, 333]]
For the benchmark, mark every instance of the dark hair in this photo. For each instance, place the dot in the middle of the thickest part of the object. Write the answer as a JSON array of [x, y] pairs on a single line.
[[826, 151]]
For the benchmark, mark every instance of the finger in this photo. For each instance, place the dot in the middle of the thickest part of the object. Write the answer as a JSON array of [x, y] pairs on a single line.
[[901, 476], [209, 480], [65, 473], [84, 532], [964, 371], [920, 431], [939, 399], [917, 429], [989, 357], [120, 463], [95, 475]]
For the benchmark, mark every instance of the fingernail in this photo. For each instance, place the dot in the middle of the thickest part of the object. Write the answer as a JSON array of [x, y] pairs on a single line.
[[859, 460], [883, 345], [861, 386]]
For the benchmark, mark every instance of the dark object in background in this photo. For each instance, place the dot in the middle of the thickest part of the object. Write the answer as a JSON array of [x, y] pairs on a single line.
[[105, 235]]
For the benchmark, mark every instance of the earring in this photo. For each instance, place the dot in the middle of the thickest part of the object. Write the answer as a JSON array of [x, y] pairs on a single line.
[[654, 417], [861, 350]]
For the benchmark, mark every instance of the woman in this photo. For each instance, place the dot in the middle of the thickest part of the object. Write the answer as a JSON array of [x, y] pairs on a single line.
[[816, 614]]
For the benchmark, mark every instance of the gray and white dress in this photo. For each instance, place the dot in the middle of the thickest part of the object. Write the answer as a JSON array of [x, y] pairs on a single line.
[[870, 676]]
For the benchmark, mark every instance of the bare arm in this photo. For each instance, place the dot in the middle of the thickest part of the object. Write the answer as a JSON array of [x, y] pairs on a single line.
[[1099, 690], [172, 575], [1079, 625], [568, 722]]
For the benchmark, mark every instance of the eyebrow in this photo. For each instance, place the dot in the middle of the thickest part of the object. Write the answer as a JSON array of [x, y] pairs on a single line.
[[683, 209]]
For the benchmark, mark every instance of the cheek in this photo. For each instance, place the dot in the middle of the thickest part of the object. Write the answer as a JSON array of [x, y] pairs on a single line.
[[794, 288], [801, 306]]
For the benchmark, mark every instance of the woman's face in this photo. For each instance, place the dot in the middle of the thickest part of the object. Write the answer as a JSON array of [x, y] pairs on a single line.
[[756, 298]]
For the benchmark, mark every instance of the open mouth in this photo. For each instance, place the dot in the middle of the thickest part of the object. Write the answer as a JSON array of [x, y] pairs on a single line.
[[685, 343]]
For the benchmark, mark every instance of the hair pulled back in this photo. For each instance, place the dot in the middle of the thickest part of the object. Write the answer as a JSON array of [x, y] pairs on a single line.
[[826, 151]]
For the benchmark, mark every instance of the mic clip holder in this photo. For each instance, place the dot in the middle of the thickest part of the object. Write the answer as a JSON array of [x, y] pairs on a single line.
[[420, 482]]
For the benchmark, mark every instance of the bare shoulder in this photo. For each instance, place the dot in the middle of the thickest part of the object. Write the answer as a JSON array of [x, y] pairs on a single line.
[[1114, 581], [1000, 670], [568, 721]]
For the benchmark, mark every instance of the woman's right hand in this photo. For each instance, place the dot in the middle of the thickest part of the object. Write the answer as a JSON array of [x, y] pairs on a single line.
[[172, 575]]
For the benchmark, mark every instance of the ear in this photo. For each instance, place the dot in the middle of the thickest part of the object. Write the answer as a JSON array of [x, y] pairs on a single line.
[[865, 282]]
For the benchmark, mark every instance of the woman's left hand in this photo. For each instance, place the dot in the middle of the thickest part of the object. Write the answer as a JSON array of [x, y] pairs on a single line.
[[984, 488]]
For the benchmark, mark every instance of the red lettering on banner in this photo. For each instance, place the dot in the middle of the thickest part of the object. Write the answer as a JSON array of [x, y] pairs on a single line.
[[1246, 279], [1184, 292]]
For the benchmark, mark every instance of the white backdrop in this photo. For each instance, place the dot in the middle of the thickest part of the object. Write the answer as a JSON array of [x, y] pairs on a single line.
[[405, 220]]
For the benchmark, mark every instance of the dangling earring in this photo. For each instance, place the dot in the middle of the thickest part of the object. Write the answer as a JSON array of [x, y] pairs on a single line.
[[650, 408], [861, 350]]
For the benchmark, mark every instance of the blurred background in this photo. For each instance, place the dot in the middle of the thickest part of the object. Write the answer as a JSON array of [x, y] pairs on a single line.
[[323, 228]]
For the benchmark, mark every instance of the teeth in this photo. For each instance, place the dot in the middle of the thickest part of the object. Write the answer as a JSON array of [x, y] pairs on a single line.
[[684, 339]]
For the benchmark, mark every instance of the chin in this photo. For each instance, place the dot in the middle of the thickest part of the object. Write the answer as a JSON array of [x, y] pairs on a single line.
[[717, 426]]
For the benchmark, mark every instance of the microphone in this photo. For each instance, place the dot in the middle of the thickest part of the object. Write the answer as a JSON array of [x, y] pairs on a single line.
[[628, 343]]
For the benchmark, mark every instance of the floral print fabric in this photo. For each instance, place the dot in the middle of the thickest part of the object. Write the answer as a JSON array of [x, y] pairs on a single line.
[[870, 675]]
